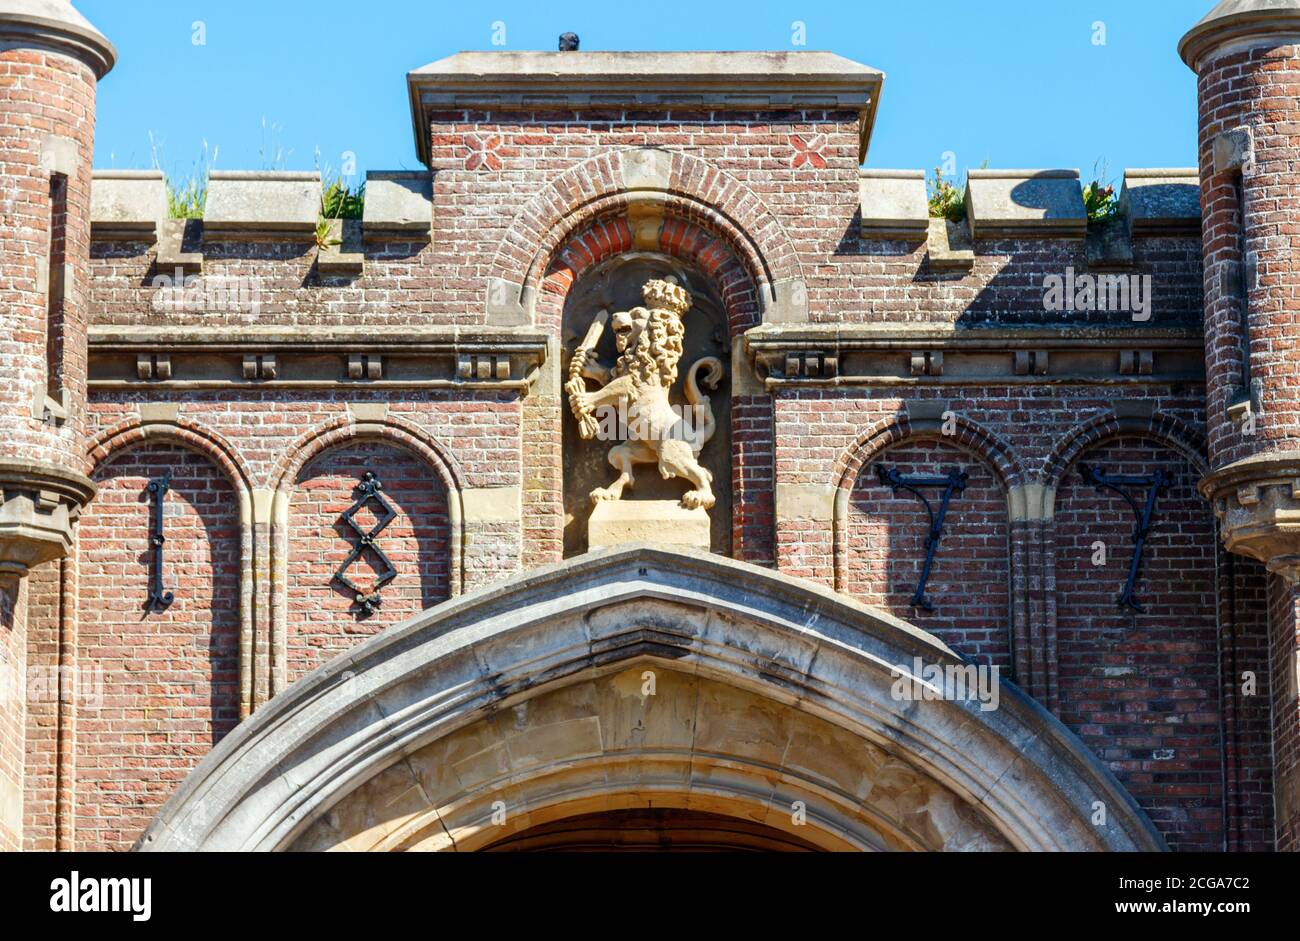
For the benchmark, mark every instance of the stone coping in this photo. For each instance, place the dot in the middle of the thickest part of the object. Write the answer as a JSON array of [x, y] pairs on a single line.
[[1025, 203], [672, 81], [132, 204], [1161, 201], [58, 25], [127, 203], [1155, 202], [262, 201], [1241, 23], [893, 204], [398, 202]]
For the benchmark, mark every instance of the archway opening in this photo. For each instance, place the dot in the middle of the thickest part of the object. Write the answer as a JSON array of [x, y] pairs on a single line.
[[652, 830]]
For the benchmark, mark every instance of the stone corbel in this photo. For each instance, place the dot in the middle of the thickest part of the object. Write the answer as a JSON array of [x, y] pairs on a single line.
[[1031, 362], [949, 246], [1234, 150], [927, 363], [807, 364], [260, 366], [365, 366], [153, 365], [39, 504], [1136, 362], [1257, 503], [482, 367]]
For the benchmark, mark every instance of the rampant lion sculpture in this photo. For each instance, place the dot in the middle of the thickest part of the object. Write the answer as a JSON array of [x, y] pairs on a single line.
[[649, 344]]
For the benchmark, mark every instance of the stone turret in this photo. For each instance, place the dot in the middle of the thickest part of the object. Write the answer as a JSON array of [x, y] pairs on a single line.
[[50, 61]]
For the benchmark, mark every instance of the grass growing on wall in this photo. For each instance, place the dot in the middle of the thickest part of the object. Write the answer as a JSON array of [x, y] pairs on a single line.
[[186, 198], [948, 199]]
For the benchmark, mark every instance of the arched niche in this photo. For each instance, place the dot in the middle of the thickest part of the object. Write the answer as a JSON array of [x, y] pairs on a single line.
[[616, 285]]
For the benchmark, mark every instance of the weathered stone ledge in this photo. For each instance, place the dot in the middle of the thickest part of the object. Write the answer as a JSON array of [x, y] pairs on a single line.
[[943, 354], [321, 358]]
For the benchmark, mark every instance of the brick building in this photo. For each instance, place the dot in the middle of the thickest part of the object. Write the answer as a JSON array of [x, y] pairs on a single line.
[[305, 503]]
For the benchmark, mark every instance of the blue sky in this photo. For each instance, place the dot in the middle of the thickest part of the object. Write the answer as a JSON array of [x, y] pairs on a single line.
[[1019, 83]]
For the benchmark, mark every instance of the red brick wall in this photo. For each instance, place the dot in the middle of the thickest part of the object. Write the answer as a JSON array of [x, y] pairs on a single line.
[[1142, 689], [40, 797], [170, 677], [497, 212], [1286, 713], [13, 681], [1247, 693], [323, 617], [968, 582]]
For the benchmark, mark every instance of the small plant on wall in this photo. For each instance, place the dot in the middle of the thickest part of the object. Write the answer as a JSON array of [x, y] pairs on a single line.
[[1099, 198], [338, 201], [947, 198]]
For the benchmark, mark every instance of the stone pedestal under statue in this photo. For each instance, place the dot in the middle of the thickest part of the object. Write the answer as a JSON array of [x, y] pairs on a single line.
[[658, 522]]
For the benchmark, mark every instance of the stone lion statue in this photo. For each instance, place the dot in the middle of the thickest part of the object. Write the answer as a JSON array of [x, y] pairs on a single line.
[[649, 344]]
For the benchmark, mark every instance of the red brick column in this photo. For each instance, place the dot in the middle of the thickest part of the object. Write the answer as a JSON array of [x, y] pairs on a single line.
[[1248, 69]]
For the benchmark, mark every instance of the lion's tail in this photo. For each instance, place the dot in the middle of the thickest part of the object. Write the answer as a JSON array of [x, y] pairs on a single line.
[[698, 400]]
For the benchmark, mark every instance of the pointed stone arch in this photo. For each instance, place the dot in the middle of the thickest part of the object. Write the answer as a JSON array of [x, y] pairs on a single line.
[[491, 688]]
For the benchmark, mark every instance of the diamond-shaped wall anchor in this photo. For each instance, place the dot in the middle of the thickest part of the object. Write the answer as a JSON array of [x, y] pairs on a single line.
[[368, 490]]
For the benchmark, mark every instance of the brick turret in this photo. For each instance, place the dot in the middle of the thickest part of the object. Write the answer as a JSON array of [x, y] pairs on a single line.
[[50, 61], [1246, 54]]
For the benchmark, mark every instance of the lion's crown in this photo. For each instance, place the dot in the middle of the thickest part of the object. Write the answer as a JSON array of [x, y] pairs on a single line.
[[666, 295]]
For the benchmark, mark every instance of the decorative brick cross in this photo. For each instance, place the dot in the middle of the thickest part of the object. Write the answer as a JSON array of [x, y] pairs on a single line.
[[482, 151], [808, 151]]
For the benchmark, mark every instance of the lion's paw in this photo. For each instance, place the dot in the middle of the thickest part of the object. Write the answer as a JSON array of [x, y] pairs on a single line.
[[697, 500], [604, 493]]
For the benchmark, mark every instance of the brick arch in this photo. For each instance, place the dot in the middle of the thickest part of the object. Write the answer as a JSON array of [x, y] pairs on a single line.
[[183, 431], [312, 444], [971, 438], [1169, 430], [133, 433], [1157, 674], [612, 235], [171, 680], [346, 428], [669, 183]]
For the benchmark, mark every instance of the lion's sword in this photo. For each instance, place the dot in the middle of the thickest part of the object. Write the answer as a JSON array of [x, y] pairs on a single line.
[[576, 385]]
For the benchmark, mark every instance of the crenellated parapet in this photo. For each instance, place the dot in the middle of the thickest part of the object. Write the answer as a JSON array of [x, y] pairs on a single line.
[[1029, 205], [263, 207]]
